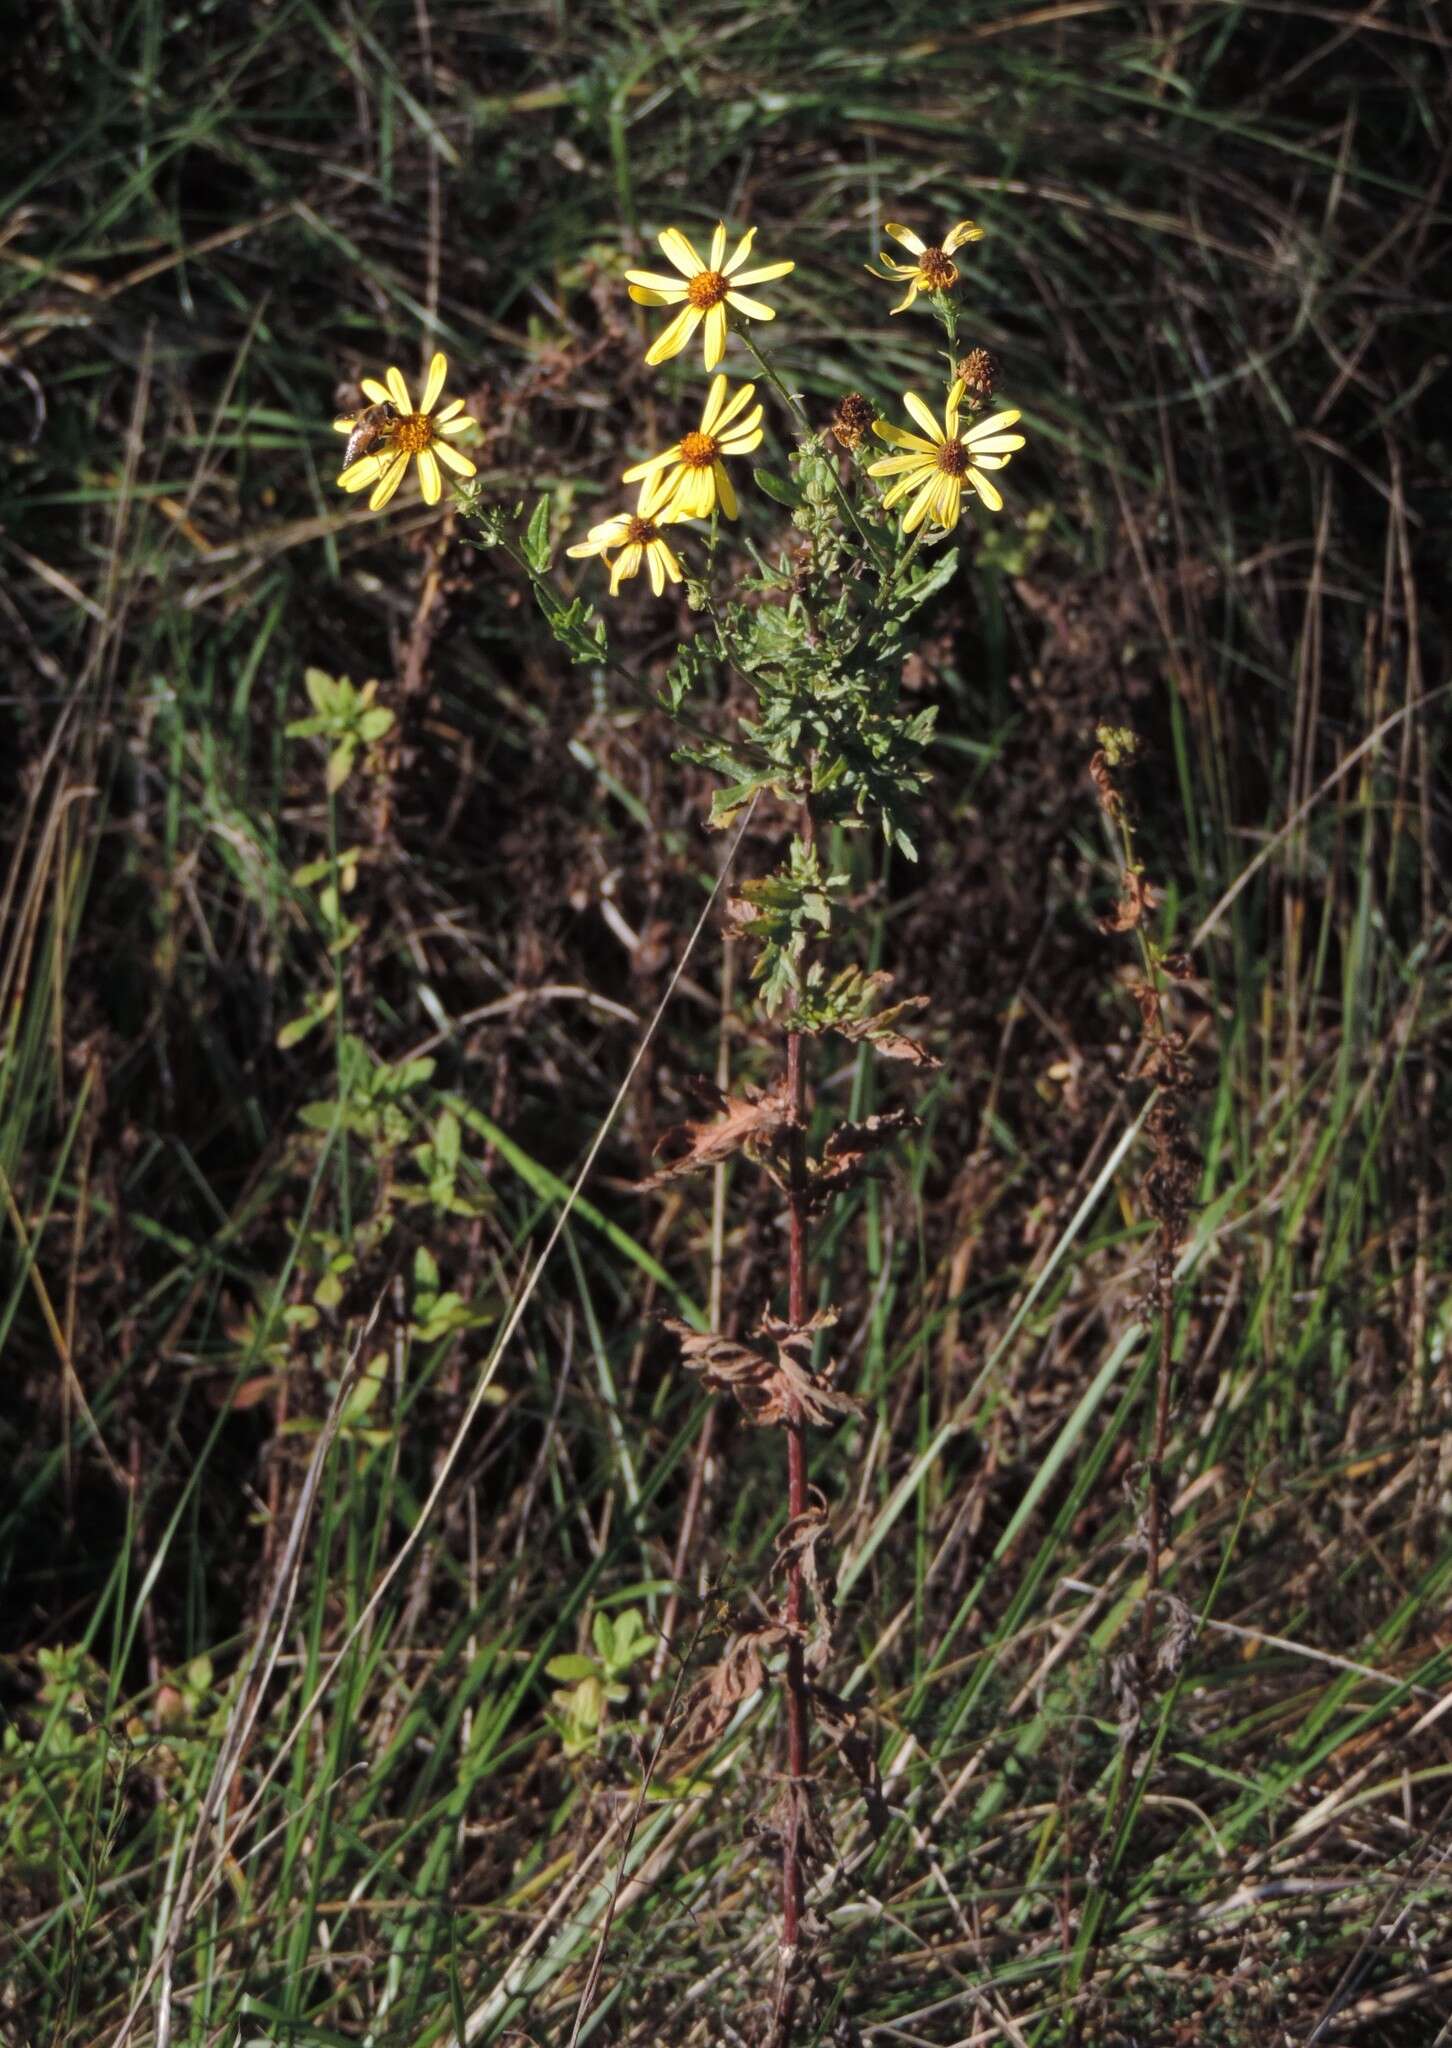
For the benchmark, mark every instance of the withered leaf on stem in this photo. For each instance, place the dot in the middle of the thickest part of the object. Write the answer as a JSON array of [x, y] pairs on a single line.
[[846, 1153], [842, 1725], [797, 1811], [741, 1671], [879, 1033], [772, 1381], [1136, 898], [1103, 780], [747, 1122], [799, 1544]]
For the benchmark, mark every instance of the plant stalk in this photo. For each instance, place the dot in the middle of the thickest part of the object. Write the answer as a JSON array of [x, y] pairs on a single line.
[[798, 1705]]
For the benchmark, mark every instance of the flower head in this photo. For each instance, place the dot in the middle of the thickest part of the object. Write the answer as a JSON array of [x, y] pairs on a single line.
[[633, 538], [697, 479], [706, 289], [932, 269], [851, 420], [979, 372], [938, 467], [383, 437]]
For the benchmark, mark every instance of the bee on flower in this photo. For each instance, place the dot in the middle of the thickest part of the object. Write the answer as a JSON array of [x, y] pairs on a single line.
[[383, 438], [937, 464], [703, 291], [634, 539], [932, 268], [694, 467]]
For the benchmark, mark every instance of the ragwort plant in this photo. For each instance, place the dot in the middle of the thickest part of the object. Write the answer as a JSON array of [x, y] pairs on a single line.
[[817, 628]]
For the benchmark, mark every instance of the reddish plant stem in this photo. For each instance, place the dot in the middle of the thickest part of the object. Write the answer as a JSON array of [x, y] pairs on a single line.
[[797, 1700]]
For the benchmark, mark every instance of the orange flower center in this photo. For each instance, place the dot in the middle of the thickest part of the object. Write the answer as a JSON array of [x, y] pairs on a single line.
[[699, 451], [938, 272], [952, 458], [414, 433], [640, 532], [707, 288]]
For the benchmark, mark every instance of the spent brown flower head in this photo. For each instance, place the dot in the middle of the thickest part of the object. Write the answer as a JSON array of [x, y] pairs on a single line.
[[852, 420], [979, 372]]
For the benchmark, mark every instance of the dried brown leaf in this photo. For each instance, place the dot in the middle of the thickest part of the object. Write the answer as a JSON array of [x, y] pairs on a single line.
[[848, 1151], [879, 1033], [1137, 898], [741, 1671], [772, 1381], [747, 1122], [801, 1543], [842, 1725], [796, 1813]]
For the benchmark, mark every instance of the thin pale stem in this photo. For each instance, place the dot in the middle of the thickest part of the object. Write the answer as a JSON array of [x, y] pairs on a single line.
[[798, 412]]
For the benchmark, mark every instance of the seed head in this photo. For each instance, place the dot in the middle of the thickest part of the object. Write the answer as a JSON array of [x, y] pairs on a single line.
[[852, 419], [979, 372]]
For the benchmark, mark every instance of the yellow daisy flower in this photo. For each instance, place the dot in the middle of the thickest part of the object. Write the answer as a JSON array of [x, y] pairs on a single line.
[[698, 481], [635, 538], [933, 270], [383, 437], [708, 290], [937, 468]]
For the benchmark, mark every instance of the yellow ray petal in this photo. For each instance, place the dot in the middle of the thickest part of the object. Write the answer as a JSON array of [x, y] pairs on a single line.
[[752, 308], [447, 412], [725, 490], [900, 489], [986, 491], [765, 275], [741, 440], [654, 491], [996, 422], [740, 254], [609, 533], [656, 281], [434, 384], [625, 564], [676, 335], [919, 410], [429, 480], [904, 235], [901, 438], [653, 462], [715, 335], [679, 252], [718, 245], [398, 390], [360, 474], [917, 512], [389, 482], [698, 492], [379, 393], [962, 231], [456, 459], [722, 418], [715, 398]]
